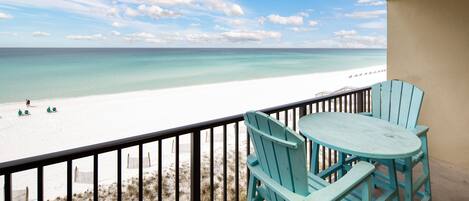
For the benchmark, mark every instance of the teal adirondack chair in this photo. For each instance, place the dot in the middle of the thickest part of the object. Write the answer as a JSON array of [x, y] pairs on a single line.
[[280, 166], [399, 103]]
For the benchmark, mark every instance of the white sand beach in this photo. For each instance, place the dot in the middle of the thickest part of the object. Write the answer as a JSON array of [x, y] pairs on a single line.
[[89, 120]]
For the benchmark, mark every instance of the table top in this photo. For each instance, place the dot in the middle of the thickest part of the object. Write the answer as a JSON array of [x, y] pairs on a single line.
[[359, 135]]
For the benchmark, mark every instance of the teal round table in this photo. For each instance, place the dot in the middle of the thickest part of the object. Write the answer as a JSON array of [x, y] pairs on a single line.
[[363, 137]]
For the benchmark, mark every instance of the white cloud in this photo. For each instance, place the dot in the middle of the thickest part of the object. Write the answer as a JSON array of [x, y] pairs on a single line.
[[86, 37], [157, 12], [366, 14], [371, 2], [40, 34], [261, 20], [351, 39], [169, 2], [303, 14], [4, 16], [345, 33], [236, 22], [115, 33], [299, 29], [313, 23], [131, 12], [290, 20], [117, 24], [8, 34], [113, 12], [243, 36], [373, 25], [143, 37], [228, 8]]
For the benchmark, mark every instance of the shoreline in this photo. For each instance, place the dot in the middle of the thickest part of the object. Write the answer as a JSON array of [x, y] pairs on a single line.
[[352, 75]]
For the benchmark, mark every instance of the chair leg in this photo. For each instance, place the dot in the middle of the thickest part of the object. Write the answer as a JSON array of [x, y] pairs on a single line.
[[342, 158], [409, 196], [367, 190], [391, 164], [315, 159], [252, 188], [426, 166]]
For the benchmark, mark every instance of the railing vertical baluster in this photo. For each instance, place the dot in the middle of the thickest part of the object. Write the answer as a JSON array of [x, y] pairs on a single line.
[[360, 101], [7, 193], [212, 196], [236, 161], [369, 100], [286, 117], [40, 183], [160, 170], [340, 104], [345, 103], [69, 180], [323, 157], [176, 188], [225, 176], [329, 105], [95, 177], [119, 175], [277, 115], [350, 103], [140, 172], [302, 111], [195, 166], [294, 119]]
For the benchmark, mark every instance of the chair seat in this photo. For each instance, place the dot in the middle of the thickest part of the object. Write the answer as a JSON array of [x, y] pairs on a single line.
[[402, 166], [316, 183]]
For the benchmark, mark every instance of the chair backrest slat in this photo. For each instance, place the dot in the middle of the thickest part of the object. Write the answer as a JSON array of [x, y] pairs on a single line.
[[283, 163], [396, 92], [397, 102]]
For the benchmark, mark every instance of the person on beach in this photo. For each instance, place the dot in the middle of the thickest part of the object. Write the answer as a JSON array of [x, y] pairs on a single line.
[[28, 102]]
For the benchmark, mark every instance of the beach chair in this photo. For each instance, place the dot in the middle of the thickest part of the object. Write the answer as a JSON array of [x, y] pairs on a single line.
[[51, 110], [399, 103], [132, 162], [83, 177], [20, 113], [26, 112], [20, 195], [280, 166]]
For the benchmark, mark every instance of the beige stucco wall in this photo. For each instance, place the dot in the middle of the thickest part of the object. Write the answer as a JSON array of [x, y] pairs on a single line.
[[428, 45]]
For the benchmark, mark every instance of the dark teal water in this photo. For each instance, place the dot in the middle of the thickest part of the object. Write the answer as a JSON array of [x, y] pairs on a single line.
[[36, 73]]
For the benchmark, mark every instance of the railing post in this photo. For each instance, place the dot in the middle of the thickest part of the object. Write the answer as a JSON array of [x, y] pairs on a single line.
[[195, 166]]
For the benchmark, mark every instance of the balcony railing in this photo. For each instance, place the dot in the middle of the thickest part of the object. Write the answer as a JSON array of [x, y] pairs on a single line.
[[350, 101]]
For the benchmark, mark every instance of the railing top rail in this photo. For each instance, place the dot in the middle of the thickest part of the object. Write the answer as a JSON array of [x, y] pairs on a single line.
[[80, 152]]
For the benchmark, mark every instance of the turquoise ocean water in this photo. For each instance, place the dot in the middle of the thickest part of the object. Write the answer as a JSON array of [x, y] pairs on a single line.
[[36, 73]]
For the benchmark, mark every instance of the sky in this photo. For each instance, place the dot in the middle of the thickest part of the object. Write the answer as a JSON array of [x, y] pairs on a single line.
[[193, 23]]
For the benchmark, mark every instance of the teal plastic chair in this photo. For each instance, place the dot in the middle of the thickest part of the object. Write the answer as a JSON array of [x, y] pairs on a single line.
[[279, 165], [399, 103]]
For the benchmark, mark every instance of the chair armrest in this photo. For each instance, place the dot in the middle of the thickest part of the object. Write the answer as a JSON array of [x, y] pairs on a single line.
[[420, 130], [273, 185], [365, 114], [359, 172]]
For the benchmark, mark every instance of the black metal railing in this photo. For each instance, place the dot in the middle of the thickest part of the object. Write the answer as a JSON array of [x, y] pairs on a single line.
[[350, 101]]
